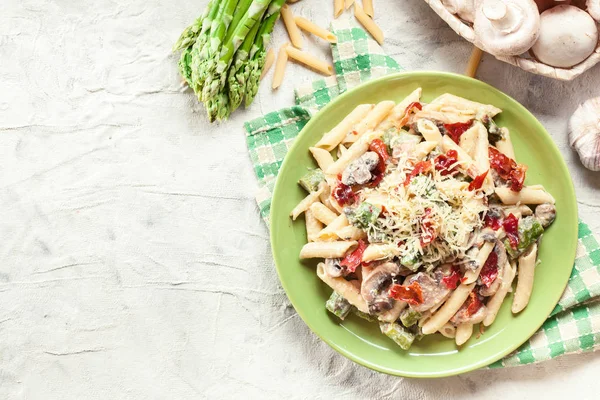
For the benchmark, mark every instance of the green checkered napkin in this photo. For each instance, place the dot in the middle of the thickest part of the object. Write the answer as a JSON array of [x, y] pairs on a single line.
[[574, 325]]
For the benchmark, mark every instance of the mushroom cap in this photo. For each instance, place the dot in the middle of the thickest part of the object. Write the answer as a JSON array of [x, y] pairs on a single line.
[[506, 27], [584, 133], [593, 8], [465, 9], [543, 5], [568, 35]]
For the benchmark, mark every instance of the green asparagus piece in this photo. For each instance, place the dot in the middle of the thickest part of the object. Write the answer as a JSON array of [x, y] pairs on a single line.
[[258, 53], [190, 34], [218, 107], [530, 229], [185, 67], [398, 334], [198, 76], [363, 315], [409, 317], [216, 79], [338, 306], [312, 179], [364, 215], [239, 70]]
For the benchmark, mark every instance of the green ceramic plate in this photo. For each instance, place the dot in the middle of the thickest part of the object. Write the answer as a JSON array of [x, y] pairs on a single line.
[[434, 356]]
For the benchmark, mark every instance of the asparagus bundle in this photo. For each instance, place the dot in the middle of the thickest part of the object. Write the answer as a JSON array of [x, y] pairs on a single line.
[[223, 52]]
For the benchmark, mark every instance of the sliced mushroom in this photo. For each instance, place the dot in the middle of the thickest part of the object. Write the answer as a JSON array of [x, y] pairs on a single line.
[[359, 171], [375, 285], [500, 251], [506, 27], [546, 214], [568, 35], [433, 290], [333, 267]]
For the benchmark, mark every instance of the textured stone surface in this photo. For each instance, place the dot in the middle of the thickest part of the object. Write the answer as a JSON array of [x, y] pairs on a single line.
[[134, 263]]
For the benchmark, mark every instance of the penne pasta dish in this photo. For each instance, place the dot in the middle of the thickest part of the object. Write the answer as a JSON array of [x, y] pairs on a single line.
[[420, 217]]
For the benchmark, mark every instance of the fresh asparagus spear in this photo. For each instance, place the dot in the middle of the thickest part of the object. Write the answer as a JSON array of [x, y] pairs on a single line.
[[190, 34], [239, 71], [197, 77]]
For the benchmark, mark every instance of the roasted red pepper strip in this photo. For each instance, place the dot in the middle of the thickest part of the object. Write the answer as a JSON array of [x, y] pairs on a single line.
[[451, 281], [492, 222], [511, 227], [478, 181], [456, 130], [412, 294], [354, 259], [427, 229], [444, 162], [508, 169], [408, 111], [344, 195], [380, 148], [474, 304], [489, 272], [420, 167]]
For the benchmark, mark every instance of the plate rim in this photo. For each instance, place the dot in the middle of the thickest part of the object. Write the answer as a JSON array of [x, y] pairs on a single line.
[[470, 366]]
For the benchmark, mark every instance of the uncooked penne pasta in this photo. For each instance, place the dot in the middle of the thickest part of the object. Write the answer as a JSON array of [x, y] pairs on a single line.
[[494, 303], [505, 145], [335, 136], [344, 288], [356, 150], [527, 195], [338, 8], [449, 308], [305, 203], [330, 232], [292, 29], [322, 213], [463, 333], [282, 59], [526, 271], [349, 4], [310, 61], [322, 157], [471, 276], [269, 60], [429, 130], [368, 7], [315, 29], [327, 249], [313, 226], [368, 23], [370, 122]]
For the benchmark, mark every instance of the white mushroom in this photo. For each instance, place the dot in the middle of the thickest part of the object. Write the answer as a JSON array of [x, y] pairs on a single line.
[[584, 133], [506, 27], [543, 5], [593, 8], [465, 9], [568, 35]]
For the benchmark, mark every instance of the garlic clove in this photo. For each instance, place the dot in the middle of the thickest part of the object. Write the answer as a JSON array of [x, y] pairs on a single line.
[[593, 8], [568, 35], [584, 133], [506, 27]]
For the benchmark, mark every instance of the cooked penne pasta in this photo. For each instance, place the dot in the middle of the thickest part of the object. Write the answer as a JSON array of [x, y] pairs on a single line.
[[292, 29], [463, 105], [370, 122], [368, 23], [310, 61], [327, 249], [393, 314], [472, 275], [423, 149], [466, 160], [322, 157], [429, 130], [305, 203], [313, 226], [351, 233], [526, 271], [505, 145], [356, 150], [379, 252], [449, 308], [481, 157], [269, 60], [528, 195], [322, 213], [463, 333], [344, 289], [330, 232], [493, 305], [282, 59], [399, 110], [335, 136], [468, 141], [448, 330], [315, 29]]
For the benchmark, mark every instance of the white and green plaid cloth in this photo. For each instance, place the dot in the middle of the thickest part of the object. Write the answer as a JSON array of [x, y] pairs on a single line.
[[574, 325]]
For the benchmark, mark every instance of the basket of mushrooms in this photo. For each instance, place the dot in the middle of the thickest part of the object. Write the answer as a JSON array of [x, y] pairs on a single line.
[[558, 39]]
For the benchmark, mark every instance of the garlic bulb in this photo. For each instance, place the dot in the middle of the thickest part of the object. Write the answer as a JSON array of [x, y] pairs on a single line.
[[593, 8], [584, 133], [465, 9]]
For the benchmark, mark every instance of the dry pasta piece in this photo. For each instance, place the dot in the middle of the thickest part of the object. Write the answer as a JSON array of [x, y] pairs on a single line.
[[290, 24], [282, 59], [327, 249], [313, 226], [368, 7], [349, 3], [335, 136], [450, 307], [315, 29], [322, 213], [323, 157], [526, 273], [370, 122], [463, 333], [344, 288], [338, 8], [494, 303], [269, 60], [527, 195], [368, 23], [310, 61], [306, 203]]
